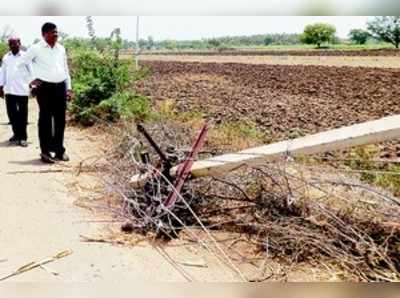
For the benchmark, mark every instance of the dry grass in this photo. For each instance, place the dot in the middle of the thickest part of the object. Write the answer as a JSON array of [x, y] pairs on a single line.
[[227, 136], [235, 136]]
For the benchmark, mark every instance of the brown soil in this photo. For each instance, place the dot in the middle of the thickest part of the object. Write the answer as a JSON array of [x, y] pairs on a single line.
[[360, 61], [283, 101]]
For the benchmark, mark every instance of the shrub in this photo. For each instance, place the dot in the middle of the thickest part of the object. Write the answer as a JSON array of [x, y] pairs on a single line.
[[99, 78], [3, 49], [76, 43], [126, 105]]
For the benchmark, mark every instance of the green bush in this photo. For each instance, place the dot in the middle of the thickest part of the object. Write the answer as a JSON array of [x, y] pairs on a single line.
[[72, 44], [126, 105], [100, 79], [3, 49]]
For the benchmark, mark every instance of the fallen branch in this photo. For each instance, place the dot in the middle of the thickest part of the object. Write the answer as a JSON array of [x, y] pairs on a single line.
[[99, 240], [33, 265]]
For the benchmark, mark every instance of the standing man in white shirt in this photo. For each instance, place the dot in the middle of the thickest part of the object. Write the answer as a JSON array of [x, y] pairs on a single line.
[[52, 87], [14, 84]]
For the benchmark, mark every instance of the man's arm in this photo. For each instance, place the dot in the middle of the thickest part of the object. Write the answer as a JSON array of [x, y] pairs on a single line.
[[69, 83], [29, 69], [28, 56], [3, 77], [26, 61]]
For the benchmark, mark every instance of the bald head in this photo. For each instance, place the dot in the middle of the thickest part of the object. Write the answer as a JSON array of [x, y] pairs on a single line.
[[14, 43]]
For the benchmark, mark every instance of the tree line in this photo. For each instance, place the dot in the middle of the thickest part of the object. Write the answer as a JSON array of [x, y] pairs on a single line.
[[379, 29]]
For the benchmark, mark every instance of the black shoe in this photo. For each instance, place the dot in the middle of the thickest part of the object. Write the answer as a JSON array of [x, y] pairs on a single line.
[[46, 158], [13, 139], [23, 143], [61, 157]]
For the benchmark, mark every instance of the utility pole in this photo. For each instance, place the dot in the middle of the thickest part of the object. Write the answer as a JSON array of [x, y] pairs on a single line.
[[137, 44]]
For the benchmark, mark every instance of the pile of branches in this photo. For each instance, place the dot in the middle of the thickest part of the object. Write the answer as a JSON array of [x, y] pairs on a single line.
[[292, 213], [144, 207], [298, 217]]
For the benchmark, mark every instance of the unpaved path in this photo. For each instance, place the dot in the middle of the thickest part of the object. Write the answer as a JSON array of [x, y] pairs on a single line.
[[38, 219]]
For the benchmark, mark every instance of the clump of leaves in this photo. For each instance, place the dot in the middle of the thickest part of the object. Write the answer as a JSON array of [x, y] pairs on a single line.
[[124, 105], [99, 81]]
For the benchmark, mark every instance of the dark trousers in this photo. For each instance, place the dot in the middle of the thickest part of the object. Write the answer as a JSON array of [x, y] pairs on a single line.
[[52, 100], [17, 110]]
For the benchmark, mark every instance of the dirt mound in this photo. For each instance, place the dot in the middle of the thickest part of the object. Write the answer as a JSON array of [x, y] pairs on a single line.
[[283, 101]]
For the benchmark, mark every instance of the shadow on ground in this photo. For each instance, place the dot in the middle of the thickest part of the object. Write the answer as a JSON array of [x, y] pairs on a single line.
[[30, 162]]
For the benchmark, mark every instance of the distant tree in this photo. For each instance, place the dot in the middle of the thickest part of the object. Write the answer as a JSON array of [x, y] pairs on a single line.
[[338, 40], [232, 42], [127, 44], [359, 36], [171, 44], [91, 32], [116, 42], [386, 28], [142, 43], [268, 40], [75, 43], [150, 43], [318, 34], [214, 42]]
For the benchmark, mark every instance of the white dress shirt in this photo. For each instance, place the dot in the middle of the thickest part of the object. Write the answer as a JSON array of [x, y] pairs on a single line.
[[14, 76], [49, 63]]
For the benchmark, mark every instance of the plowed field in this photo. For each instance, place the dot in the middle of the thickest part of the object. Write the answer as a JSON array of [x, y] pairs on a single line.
[[364, 61], [282, 100]]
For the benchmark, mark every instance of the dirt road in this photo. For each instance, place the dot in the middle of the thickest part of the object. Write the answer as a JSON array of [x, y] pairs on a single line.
[[38, 219]]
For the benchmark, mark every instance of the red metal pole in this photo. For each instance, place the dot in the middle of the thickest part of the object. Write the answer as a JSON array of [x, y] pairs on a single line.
[[184, 169]]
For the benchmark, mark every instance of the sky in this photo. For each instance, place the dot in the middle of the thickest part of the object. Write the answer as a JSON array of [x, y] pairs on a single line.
[[201, 7], [177, 27]]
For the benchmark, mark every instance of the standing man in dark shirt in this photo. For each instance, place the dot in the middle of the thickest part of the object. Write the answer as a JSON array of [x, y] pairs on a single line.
[[52, 86]]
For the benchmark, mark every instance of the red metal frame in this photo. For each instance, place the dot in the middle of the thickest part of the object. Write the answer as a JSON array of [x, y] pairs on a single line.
[[184, 169]]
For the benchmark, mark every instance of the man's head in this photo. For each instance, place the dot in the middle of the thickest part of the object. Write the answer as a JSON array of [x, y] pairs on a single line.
[[14, 43], [50, 33]]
